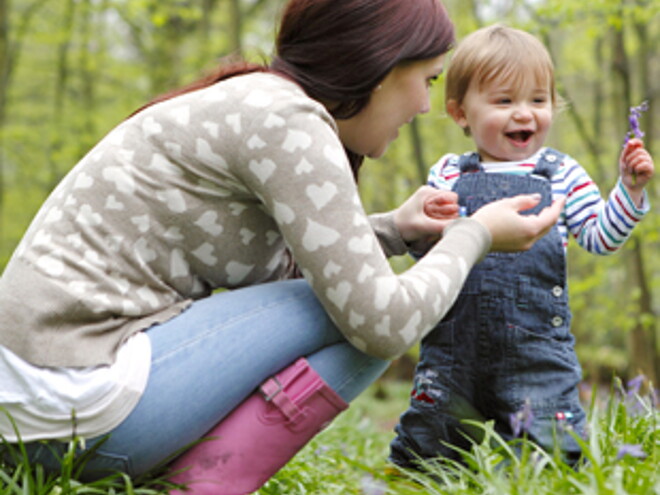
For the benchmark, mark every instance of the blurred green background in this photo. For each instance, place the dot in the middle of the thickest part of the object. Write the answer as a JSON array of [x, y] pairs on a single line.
[[70, 70]]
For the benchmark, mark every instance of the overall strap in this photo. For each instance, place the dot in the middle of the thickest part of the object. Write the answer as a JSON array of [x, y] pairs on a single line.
[[548, 163], [470, 162]]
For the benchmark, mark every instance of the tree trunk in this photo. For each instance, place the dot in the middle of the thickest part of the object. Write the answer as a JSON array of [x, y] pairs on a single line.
[[418, 151], [235, 27], [4, 88], [60, 92]]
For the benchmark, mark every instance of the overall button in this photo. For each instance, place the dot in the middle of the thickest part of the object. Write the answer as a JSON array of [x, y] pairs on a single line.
[[557, 291], [557, 321]]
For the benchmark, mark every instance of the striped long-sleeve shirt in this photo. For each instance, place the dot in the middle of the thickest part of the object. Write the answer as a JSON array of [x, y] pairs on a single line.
[[599, 226]]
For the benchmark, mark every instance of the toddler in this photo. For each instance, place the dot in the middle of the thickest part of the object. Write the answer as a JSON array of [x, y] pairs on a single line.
[[505, 351]]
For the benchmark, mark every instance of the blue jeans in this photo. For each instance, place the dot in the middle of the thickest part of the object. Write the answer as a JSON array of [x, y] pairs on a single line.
[[207, 360]]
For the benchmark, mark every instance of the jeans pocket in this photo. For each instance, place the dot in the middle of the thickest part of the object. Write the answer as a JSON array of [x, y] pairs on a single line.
[[541, 369]]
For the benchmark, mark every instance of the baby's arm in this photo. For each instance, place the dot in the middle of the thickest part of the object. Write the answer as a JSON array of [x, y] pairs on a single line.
[[599, 226], [636, 168]]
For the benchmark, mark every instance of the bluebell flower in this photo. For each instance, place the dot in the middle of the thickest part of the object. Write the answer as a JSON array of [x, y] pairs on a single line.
[[635, 384], [633, 120], [632, 450], [521, 421]]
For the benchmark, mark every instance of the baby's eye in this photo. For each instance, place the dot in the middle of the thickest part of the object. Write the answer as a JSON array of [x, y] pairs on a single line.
[[503, 101]]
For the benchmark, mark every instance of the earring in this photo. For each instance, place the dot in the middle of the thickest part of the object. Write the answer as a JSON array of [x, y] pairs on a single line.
[[378, 88]]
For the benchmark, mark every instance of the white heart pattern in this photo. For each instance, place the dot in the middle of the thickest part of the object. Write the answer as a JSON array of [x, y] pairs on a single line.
[[174, 200], [161, 164], [361, 245], [385, 289], [87, 216], [205, 254], [234, 122], [321, 195], [331, 268], [181, 115], [382, 328], [150, 127], [142, 222], [256, 143], [51, 265], [207, 155], [339, 295], [317, 236], [262, 169], [212, 128], [366, 273], [208, 222], [123, 182], [246, 236], [112, 203], [304, 167], [148, 296], [258, 99], [274, 120], [83, 181], [283, 213], [296, 139], [410, 331], [143, 251], [178, 265]]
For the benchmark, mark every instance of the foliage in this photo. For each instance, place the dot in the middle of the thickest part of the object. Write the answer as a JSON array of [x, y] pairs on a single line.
[[621, 457], [81, 66]]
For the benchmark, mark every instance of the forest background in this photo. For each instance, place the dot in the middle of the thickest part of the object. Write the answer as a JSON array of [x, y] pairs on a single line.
[[70, 70]]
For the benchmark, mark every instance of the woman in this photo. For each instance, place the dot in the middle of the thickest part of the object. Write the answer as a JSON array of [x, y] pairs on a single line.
[[106, 308]]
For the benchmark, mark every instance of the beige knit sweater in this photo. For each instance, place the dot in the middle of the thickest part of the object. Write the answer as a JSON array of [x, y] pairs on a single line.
[[205, 191]]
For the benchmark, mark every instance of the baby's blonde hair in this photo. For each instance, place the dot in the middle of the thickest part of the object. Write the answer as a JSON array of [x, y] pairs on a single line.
[[498, 53]]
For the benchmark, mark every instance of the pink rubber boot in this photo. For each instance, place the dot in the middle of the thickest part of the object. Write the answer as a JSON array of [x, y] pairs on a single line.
[[260, 435]]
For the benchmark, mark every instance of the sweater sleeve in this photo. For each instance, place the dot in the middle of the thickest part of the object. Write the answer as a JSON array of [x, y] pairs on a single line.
[[301, 174], [599, 226], [388, 235]]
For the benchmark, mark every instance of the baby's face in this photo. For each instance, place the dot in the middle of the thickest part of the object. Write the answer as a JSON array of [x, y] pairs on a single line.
[[508, 121]]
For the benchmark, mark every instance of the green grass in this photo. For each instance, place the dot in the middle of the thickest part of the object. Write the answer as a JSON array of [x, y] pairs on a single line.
[[350, 457]]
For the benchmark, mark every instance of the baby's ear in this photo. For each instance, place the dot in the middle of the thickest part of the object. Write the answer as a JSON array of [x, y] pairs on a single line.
[[455, 109], [458, 114]]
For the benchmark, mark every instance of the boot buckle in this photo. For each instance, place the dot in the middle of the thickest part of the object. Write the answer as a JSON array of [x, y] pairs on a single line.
[[270, 388]]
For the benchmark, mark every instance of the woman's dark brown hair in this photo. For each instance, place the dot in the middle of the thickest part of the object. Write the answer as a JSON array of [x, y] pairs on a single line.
[[338, 51]]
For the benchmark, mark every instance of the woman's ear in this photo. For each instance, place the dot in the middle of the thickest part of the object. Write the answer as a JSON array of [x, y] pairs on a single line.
[[457, 113]]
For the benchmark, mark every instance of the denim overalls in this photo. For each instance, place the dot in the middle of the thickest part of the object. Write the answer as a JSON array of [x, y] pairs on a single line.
[[505, 346]]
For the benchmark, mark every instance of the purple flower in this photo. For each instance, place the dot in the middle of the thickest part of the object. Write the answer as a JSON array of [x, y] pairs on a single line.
[[521, 420], [635, 384], [633, 120], [632, 450]]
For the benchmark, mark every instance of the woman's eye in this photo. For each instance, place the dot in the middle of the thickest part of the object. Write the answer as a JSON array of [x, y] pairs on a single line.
[[431, 80]]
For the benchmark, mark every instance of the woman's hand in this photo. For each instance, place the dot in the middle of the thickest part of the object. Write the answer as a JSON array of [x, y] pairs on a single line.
[[512, 231], [422, 218]]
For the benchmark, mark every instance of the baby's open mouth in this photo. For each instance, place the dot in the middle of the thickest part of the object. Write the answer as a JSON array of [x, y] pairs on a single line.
[[520, 136]]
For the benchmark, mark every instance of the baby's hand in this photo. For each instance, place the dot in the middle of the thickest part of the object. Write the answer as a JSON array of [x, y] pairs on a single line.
[[442, 206], [635, 165]]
